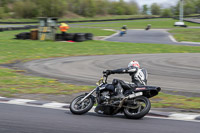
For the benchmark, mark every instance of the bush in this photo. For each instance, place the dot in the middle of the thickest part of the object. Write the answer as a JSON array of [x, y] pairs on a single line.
[[2, 13], [26, 9], [85, 8], [51, 8], [155, 9], [166, 13]]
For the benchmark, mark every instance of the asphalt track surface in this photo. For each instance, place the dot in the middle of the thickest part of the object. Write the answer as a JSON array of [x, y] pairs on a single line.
[[155, 36], [24, 119], [172, 72]]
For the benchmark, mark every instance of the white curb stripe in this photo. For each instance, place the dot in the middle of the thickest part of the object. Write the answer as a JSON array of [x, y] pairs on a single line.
[[172, 38], [183, 116], [191, 42], [20, 101], [55, 105], [110, 36]]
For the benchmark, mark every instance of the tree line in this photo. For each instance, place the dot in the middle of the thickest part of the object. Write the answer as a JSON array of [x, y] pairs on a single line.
[[87, 8], [59, 8], [190, 7]]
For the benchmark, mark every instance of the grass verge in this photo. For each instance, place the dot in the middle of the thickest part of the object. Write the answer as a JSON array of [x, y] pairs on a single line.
[[174, 101], [190, 35], [14, 82], [24, 50], [162, 23]]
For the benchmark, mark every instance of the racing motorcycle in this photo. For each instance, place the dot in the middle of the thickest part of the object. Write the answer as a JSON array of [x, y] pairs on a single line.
[[122, 32], [134, 103]]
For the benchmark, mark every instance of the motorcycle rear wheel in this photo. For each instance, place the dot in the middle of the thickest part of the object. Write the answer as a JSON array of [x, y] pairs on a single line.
[[138, 108], [83, 107]]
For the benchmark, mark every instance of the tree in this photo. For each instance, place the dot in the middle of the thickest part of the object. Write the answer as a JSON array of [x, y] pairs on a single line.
[[190, 7], [51, 8], [166, 13], [5, 2], [83, 7], [88, 8], [145, 9], [102, 7], [117, 7], [25, 9], [131, 8], [197, 7], [2, 13], [155, 9]]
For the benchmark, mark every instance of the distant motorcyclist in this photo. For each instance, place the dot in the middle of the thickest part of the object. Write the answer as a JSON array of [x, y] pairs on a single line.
[[148, 27], [138, 77], [123, 30]]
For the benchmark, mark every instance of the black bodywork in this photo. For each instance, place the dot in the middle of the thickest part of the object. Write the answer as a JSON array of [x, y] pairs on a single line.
[[148, 91]]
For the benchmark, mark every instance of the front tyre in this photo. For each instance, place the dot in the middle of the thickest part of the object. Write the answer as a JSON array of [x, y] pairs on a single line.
[[138, 108], [79, 108]]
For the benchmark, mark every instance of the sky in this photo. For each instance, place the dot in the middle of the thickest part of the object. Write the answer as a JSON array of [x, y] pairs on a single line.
[[165, 3]]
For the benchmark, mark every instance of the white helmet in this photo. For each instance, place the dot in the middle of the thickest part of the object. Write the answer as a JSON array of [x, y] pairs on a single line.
[[134, 64]]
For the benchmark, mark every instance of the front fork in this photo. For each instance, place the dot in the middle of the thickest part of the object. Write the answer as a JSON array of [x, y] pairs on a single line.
[[88, 95]]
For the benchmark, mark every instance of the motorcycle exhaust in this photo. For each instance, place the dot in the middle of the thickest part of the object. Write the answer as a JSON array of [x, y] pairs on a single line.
[[135, 95], [128, 97]]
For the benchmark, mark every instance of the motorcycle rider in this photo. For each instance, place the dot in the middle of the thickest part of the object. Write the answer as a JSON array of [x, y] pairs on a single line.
[[138, 76], [124, 28]]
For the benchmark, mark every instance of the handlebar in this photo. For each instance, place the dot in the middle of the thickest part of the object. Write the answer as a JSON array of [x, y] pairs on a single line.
[[105, 75]]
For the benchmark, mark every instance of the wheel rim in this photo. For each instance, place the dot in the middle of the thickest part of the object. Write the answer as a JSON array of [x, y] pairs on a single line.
[[79, 106], [138, 106]]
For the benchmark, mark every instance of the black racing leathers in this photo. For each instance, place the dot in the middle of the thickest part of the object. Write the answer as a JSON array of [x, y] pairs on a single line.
[[138, 76]]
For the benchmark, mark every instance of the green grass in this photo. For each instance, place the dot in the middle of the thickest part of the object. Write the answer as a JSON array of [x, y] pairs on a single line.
[[14, 82], [174, 101], [155, 23], [18, 20], [191, 35], [12, 49]]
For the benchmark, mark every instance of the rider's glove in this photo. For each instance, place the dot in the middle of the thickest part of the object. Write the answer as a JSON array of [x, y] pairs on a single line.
[[108, 72]]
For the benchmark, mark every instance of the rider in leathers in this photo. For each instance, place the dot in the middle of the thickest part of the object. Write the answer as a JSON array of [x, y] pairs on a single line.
[[138, 75]]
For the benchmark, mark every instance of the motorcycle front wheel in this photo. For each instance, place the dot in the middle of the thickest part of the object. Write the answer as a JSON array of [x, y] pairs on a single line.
[[138, 108], [77, 107]]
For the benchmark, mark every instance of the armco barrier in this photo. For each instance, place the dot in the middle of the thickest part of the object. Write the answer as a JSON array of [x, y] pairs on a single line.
[[18, 28], [18, 22]]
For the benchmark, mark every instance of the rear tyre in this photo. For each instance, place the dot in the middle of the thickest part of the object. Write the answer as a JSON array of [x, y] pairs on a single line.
[[79, 108], [138, 108]]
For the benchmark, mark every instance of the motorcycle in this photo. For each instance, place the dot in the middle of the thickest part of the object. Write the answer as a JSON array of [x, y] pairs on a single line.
[[122, 32], [134, 103]]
